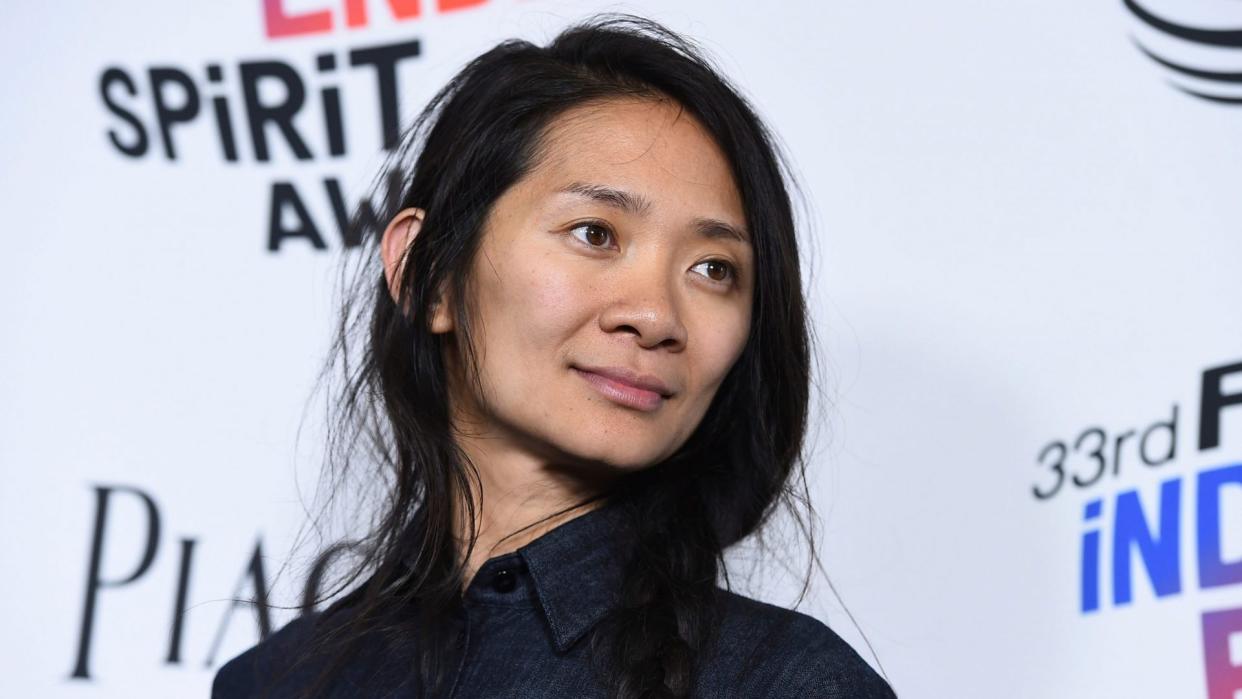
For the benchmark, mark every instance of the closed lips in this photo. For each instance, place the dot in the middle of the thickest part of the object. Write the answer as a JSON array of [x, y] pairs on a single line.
[[645, 382]]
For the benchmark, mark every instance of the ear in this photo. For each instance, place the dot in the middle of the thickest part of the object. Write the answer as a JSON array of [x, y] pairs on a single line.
[[394, 246]]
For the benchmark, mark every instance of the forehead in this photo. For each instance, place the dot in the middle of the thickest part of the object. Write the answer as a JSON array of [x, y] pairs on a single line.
[[648, 146]]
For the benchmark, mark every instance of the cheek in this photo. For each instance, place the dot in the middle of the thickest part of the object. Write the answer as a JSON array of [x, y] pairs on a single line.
[[550, 295], [529, 308], [720, 342]]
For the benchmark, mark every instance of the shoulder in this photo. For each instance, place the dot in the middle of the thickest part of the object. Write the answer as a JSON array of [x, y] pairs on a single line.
[[777, 652], [273, 659], [316, 654]]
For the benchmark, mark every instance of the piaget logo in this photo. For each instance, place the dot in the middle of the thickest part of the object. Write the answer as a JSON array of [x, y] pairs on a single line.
[[251, 592], [1133, 539]]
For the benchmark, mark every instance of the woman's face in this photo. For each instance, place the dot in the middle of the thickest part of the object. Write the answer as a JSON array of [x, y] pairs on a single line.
[[611, 294]]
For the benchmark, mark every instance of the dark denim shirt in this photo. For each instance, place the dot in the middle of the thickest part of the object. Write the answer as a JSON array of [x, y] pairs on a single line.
[[525, 614]]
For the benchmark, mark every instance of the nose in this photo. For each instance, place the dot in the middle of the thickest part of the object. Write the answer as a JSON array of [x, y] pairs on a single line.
[[646, 307]]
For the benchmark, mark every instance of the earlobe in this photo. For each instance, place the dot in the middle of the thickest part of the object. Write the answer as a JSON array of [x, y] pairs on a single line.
[[441, 314]]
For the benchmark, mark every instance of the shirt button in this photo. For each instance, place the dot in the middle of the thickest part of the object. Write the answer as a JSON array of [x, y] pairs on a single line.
[[504, 581]]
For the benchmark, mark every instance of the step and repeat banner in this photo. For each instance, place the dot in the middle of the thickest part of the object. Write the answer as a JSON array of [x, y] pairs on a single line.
[[1023, 246]]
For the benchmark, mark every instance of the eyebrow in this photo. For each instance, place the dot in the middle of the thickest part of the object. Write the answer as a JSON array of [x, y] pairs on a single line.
[[639, 205]]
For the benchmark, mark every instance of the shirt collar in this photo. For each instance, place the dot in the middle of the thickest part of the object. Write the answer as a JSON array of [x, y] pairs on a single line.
[[577, 569]]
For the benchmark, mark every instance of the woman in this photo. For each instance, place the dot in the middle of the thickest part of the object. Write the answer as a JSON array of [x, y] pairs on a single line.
[[586, 375]]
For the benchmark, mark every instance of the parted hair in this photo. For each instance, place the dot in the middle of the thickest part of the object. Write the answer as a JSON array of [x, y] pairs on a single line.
[[478, 136]]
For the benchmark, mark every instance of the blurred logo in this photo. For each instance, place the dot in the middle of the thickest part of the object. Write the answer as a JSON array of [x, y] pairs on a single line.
[[280, 22], [1187, 54]]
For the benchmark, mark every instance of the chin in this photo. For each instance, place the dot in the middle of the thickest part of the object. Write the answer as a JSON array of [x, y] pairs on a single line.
[[617, 453]]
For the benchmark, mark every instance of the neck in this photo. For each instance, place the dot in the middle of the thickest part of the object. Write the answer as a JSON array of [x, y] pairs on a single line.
[[522, 491], [518, 498]]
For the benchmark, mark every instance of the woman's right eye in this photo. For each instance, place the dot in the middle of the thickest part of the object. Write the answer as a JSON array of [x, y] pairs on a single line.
[[595, 235]]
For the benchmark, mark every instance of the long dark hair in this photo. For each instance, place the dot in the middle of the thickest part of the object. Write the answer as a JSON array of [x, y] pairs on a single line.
[[476, 138]]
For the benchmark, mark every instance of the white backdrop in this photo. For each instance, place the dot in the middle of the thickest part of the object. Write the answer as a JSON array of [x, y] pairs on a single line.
[[1025, 232]]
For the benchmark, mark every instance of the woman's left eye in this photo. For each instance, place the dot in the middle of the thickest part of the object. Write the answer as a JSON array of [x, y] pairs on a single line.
[[717, 270]]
